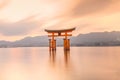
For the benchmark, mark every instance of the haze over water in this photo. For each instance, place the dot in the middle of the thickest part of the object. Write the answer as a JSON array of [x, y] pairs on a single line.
[[81, 63]]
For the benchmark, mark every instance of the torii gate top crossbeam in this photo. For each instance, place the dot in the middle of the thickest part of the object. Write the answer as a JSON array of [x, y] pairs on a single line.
[[59, 31]]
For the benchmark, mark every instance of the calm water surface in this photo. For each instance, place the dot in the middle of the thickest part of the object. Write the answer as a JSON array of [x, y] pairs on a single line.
[[80, 63]]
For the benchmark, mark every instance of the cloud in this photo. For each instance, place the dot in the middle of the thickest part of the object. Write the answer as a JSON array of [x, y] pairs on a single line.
[[86, 7], [81, 9], [3, 3], [17, 29], [27, 17]]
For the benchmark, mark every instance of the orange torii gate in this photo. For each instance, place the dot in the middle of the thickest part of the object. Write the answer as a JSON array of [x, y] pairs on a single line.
[[55, 33]]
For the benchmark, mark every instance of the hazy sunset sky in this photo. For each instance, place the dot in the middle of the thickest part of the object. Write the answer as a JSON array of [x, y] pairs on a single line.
[[21, 18]]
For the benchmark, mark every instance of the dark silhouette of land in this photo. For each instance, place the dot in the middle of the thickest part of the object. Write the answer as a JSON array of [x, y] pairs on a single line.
[[90, 39]]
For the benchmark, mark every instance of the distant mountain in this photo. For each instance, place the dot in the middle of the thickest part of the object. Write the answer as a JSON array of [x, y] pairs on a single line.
[[4, 43], [31, 41], [97, 39], [90, 39]]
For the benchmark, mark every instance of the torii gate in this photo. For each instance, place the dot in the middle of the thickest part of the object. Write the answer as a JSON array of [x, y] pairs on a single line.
[[55, 33]]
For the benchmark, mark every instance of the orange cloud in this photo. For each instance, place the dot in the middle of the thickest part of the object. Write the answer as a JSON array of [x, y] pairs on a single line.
[[31, 17], [3, 3]]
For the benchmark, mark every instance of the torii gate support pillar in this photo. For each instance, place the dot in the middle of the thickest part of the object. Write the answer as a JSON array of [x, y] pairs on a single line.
[[55, 33]]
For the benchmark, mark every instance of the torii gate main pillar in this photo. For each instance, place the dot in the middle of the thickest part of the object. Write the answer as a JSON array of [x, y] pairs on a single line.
[[55, 33]]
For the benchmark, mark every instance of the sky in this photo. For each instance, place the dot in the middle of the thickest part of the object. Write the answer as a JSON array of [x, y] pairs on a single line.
[[22, 18]]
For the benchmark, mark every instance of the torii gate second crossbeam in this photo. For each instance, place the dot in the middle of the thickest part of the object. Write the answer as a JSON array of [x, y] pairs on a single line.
[[55, 33]]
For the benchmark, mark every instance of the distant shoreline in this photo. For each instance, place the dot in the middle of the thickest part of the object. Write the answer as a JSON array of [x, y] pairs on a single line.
[[61, 46]]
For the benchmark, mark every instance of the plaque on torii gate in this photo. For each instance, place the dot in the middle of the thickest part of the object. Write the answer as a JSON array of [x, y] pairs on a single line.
[[55, 33]]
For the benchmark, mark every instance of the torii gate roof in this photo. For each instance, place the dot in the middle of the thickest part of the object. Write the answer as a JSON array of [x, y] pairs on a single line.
[[59, 31]]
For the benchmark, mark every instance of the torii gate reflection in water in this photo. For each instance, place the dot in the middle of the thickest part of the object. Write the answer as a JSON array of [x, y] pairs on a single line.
[[55, 33]]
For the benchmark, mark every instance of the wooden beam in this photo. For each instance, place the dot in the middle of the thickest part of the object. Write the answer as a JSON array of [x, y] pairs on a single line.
[[62, 30], [60, 35], [59, 32]]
